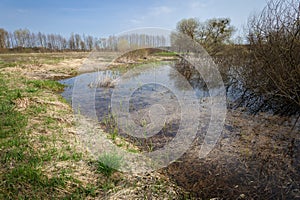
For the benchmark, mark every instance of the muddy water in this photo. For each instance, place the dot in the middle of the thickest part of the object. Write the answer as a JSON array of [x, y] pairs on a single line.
[[257, 157]]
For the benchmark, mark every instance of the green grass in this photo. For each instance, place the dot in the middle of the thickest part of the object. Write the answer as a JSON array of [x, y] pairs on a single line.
[[18, 159], [166, 53], [21, 175], [108, 163], [45, 84], [11, 121]]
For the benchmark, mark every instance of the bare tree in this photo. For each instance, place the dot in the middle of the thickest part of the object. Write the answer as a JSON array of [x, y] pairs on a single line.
[[212, 34], [3, 38], [274, 71], [189, 27], [22, 37], [72, 45]]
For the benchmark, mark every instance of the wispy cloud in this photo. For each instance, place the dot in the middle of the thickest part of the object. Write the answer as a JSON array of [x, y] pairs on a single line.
[[135, 21], [151, 15], [160, 10], [196, 5]]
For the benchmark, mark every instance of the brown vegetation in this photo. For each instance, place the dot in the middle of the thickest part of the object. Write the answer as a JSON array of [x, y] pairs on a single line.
[[273, 70]]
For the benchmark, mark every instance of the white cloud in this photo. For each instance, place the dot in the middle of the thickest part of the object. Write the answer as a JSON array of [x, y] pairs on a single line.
[[152, 15]]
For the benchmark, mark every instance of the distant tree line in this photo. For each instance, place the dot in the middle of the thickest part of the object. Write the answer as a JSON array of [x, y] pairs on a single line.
[[24, 38], [133, 41]]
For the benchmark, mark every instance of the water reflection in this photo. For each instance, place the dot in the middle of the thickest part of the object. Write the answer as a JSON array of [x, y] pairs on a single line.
[[178, 79], [145, 95]]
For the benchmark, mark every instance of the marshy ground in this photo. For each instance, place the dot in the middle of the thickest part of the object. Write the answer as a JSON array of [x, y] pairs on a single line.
[[41, 155]]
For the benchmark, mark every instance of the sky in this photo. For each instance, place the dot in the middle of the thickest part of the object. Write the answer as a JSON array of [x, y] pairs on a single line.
[[101, 18]]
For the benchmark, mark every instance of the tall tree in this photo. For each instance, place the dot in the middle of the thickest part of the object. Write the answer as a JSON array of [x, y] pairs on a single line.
[[212, 34], [3, 38], [215, 31], [22, 37], [189, 27]]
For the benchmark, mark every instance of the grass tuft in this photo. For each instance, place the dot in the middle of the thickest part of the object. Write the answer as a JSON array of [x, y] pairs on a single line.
[[108, 163]]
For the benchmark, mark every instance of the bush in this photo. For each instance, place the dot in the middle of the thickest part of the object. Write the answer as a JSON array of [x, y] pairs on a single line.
[[273, 72]]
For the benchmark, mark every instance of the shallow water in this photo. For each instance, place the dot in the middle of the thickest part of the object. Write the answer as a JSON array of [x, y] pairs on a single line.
[[251, 158], [163, 83]]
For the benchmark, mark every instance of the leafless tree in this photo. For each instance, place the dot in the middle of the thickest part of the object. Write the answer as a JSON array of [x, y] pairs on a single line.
[[3, 38], [273, 72], [189, 27]]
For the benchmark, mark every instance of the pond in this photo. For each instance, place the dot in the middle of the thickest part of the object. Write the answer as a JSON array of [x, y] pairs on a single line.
[[150, 87], [166, 72]]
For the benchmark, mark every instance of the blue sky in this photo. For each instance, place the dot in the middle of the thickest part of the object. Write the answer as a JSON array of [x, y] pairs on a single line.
[[103, 17]]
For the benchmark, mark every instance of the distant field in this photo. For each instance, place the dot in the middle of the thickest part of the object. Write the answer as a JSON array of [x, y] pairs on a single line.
[[19, 59]]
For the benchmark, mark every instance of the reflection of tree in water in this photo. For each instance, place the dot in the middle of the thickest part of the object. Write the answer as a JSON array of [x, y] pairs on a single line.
[[140, 103], [190, 74]]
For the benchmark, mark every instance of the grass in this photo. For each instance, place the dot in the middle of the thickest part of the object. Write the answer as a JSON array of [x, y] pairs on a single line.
[[39, 155], [18, 159], [23, 155], [38, 59], [36, 160], [35, 85], [166, 53], [108, 163]]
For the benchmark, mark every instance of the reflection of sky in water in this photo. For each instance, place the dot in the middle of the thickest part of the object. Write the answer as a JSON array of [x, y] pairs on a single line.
[[162, 83]]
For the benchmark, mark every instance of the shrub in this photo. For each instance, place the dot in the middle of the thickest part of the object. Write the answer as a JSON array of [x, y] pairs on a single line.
[[273, 72]]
